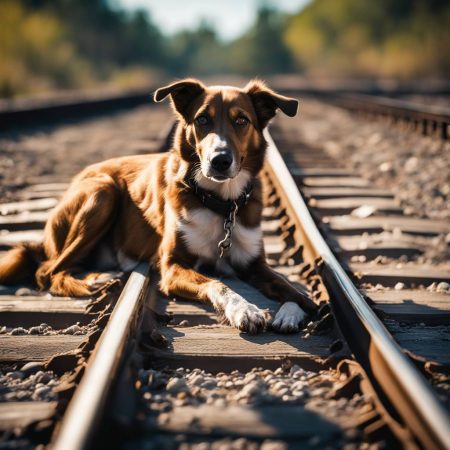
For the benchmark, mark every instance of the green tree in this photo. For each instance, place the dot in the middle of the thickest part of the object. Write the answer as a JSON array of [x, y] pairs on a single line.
[[261, 51]]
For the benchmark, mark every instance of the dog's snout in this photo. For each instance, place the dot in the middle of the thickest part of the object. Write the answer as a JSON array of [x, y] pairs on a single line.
[[221, 161]]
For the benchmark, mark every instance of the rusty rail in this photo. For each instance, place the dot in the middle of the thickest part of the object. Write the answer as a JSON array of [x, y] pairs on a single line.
[[87, 406], [403, 391]]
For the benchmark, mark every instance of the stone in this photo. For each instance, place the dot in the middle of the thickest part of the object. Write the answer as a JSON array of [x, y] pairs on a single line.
[[31, 367], [176, 385]]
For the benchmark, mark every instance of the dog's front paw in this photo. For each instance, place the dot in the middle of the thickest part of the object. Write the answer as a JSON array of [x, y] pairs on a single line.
[[288, 318], [245, 316]]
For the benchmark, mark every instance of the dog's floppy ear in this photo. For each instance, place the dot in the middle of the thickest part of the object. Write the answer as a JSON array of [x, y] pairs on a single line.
[[266, 102], [181, 93]]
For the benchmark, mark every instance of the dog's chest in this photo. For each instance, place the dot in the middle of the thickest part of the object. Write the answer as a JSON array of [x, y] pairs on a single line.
[[202, 230]]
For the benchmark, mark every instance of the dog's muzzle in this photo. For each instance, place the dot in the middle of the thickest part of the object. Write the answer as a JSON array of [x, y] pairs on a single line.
[[221, 165]]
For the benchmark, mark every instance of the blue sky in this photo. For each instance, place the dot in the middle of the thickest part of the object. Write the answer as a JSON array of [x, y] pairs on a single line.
[[229, 17]]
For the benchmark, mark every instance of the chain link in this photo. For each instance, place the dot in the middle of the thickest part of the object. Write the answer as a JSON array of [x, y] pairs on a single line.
[[228, 225]]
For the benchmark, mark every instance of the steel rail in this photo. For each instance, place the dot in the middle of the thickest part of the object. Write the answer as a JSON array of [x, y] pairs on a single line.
[[431, 119], [87, 405], [26, 112], [399, 384]]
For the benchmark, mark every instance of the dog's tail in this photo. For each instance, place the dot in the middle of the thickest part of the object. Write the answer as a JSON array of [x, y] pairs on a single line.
[[20, 264]]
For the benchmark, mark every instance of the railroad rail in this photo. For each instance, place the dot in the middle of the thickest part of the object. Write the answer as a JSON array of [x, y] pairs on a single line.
[[127, 358], [428, 120]]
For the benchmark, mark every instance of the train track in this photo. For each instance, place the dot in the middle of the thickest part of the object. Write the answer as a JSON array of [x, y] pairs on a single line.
[[136, 380], [427, 120]]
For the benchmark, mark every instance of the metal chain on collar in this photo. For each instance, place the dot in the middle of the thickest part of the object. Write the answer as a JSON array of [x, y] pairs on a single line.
[[228, 225]]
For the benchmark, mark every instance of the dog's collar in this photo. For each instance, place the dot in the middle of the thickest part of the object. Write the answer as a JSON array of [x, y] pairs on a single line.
[[218, 205]]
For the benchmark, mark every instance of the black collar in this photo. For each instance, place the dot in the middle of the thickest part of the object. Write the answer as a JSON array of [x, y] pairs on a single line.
[[218, 205]]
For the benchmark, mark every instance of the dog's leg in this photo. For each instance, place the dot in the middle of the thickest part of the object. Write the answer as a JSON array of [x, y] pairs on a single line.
[[178, 280], [295, 301], [73, 231]]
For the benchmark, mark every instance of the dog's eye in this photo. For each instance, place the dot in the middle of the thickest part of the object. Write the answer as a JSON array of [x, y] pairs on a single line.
[[241, 121], [202, 120]]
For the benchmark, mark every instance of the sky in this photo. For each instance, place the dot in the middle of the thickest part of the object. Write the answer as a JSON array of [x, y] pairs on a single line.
[[229, 17]]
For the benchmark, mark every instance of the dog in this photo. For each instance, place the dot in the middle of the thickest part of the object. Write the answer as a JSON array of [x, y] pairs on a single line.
[[198, 204]]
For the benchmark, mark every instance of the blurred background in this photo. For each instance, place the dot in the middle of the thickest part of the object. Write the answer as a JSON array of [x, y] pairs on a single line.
[[57, 45]]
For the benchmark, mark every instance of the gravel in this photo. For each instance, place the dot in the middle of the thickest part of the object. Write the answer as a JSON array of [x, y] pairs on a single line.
[[163, 390], [26, 383], [46, 330], [415, 167], [56, 153]]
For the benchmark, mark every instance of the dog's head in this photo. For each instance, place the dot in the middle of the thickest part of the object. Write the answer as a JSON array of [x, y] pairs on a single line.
[[223, 125]]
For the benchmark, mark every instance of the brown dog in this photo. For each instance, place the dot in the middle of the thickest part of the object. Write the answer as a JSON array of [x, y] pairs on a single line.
[[198, 204]]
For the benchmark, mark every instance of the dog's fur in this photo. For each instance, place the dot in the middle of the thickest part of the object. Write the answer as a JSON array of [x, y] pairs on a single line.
[[143, 208]]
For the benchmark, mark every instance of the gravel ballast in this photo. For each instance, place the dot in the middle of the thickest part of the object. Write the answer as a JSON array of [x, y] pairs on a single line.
[[162, 391]]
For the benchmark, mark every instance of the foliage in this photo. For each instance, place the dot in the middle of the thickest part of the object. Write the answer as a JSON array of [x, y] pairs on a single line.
[[60, 44], [35, 52], [393, 38], [261, 51]]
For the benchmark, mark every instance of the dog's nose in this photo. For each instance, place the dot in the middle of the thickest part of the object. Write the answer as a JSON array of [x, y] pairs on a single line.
[[221, 161]]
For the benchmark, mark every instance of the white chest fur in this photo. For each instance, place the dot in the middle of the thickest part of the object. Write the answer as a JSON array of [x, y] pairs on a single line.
[[202, 230]]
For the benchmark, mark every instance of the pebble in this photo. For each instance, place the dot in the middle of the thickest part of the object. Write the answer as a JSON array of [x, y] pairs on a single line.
[[399, 286], [280, 385], [209, 384], [24, 291], [31, 367], [72, 329], [184, 323], [266, 387], [16, 375], [443, 287], [249, 390], [35, 330], [197, 380], [176, 385], [41, 392], [42, 377], [18, 331], [274, 445]]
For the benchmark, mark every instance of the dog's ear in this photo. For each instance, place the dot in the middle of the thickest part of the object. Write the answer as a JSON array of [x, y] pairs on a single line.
[[182, 93], [266, 102]]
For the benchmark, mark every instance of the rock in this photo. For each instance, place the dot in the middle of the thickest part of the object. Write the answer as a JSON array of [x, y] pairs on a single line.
[[250, 377], [249, 390], [16, 375], [35, 330], [299, 394], [209, 384], [279, 385], [41, 392], [24, 291], [184, 323], [31, 367], [72, 330], [197, 380], [411, 164], [399, 286], [298, 385], [274, 445], [443, 287], [42, 377], [19, 331], [176, 385]]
